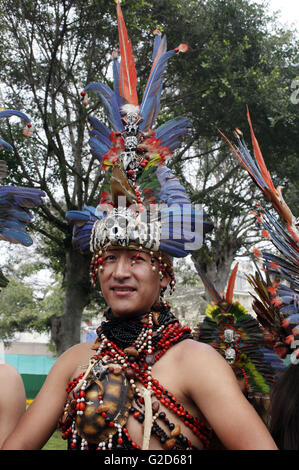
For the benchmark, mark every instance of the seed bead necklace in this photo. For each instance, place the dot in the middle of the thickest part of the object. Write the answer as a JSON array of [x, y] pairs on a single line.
[[155, 333]]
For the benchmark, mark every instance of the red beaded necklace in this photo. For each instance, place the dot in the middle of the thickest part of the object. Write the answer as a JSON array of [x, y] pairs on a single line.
[[136, 362]]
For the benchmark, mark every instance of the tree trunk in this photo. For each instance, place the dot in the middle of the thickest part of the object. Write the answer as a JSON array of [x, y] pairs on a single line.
[[216, 265], [65, 329]]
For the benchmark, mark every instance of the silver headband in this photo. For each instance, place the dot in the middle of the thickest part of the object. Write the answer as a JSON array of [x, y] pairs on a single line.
[[122, 226]]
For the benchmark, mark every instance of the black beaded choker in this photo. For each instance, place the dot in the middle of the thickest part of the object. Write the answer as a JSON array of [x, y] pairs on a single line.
[[123, 331]]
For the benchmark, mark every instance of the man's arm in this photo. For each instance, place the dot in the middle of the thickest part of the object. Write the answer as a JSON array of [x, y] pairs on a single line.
[[12, 400], [215, 390], [40, 420]]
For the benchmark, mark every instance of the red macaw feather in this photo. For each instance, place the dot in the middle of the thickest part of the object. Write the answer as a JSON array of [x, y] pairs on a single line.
[[231, 284], [238, 155], [259, 157], [127, 73]]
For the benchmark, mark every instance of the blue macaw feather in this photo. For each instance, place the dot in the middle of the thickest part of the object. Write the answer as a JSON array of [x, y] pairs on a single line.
[[293, 319], [285, 290], [83, 221], [173, 248], [6, 114], [282, 264], [109, 100], [176, 132], [172, 132], [21, 214], [182, 228], [178, 218], [77, 216], [248, 160], [160, 46], [173, 142], [120, 100], [278, 228], [292, 279], [170, 187], [13, 112], [97, 149], [152, 108], [115, 69], [290, 310], [86, 214], [100, 127], [281, 243], [9, 222], [157, 105], [273, 358], [5, 145], [287, 299], [152, 92], [148, 113], [24, 197], [15, 236], [103, 140], [175, 124], [81, 236], [14, 213]]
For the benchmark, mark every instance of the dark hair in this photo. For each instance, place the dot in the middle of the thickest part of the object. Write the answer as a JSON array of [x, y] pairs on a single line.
[[284, 421]]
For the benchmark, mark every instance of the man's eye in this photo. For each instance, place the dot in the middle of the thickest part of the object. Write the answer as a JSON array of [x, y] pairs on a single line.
[[109, 258]]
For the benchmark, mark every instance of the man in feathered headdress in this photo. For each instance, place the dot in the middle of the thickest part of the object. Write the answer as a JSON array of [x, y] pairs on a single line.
[[276, 297], [15, 215], [148, 384], [240, 339]]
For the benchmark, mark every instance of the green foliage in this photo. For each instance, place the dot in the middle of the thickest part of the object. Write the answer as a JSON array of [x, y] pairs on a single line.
[[18, 309], [55, 442], [185, 274]]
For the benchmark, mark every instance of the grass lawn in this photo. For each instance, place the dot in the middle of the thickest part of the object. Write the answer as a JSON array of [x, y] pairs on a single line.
[[55, 442]]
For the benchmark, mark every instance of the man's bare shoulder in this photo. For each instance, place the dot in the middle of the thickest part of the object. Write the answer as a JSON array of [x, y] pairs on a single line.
[[194, 355], [198, 351], [9, 375], [76, 355], [77, 349]]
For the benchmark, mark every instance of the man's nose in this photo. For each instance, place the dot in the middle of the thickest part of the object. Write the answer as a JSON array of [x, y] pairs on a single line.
[[122, 268]]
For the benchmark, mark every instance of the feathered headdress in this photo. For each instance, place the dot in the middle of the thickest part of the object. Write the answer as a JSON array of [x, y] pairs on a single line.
[[237, 336], [146, 205], [16, 201], [276, 302]]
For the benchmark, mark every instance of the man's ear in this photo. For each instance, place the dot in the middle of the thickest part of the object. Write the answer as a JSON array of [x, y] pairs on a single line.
[[165, 280]]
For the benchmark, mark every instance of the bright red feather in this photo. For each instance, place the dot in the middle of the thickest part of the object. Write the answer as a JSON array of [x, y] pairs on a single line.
[[231, 284], [127, 75]]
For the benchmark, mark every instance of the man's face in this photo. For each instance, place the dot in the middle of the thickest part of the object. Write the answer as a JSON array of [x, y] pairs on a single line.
[[129, 284]]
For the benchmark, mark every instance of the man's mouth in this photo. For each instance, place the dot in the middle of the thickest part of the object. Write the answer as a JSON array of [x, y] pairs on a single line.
[[123, 290]]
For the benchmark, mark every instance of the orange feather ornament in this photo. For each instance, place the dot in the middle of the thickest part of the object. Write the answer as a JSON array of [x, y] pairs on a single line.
[[127, 74], [231, 284]]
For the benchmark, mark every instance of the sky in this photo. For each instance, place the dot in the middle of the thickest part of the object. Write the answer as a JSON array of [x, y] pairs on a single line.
[[289, 10]]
